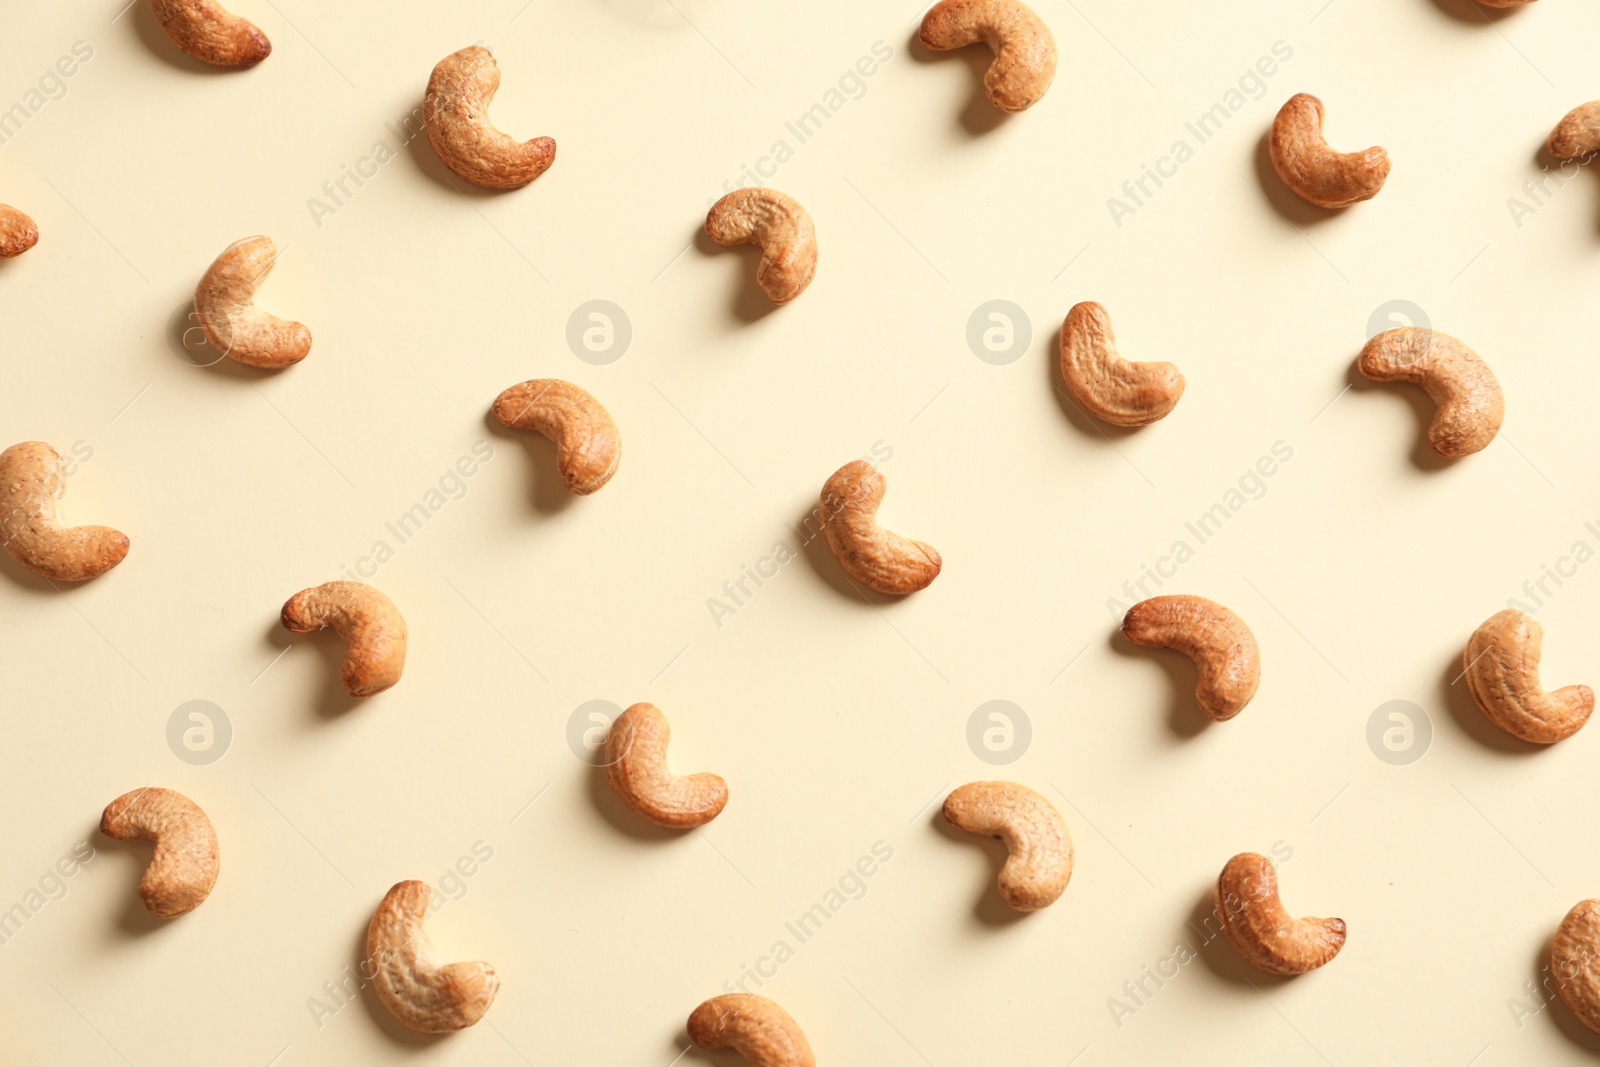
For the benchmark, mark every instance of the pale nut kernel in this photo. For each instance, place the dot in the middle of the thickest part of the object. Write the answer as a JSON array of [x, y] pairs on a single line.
[[1501, 666], [455, 111], [782, 228], [1312, 170], [17, 232], [186, 862], [636, 765], [588, 446], [1577, 135], [1575, 962], [1222, 647], [414, 983], [31, 532], [879, 559], [1039, 863], [1112, 389], [753, 1026], [211, 34], [366, 619], [1024, 49], [224, 302], [1470, 404], [1263, 932]]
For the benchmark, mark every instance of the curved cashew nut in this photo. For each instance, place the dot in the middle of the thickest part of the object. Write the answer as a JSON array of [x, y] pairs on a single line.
[[636, 764], [1502, 672], [755, 1027], [365, 618], [881, 560], [1222, 647], [1578, 133], [1471, 406], [1040, 861], [588, 447], [1259, 927], [455, 110], [1575, 962], [224, 303], [1312, 170], [1024, 50], [17, 232], [1113, 389], [418, 987], [30, 481], [185, 866], [206, 31], [782, 228]]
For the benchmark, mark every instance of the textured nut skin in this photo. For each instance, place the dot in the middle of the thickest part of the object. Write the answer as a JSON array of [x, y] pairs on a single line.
[[782, 228], [1222, 647], [1040, 862], [753, 1026], [1110, 388], [588, 447], [366, 619], [1258, 926], [30, 532], [209, 33], [455, 110], [1575, 962], [1024, 50], [17, 232], [1501, 665], [414, 983], [636, 764], [186, 863], [1315, 172], [224, 303], [1470, 404], [1504, 3], [1578, 133], [881, 560]]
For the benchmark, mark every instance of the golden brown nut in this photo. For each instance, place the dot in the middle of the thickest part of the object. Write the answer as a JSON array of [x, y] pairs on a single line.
[[753, 1026], [1258, 926], [455, 111], [1222, 647], [1024, 50], [186, 862], [30, 531], [1471, 406], [1110, 388], [209, 33], [1501, 665], [1039, 865], [777, 223], [636, 764], [588, 446], [17, 232], [1575, 962], [879, 559], [414, 983], [1315, 172], [224, 304], [366, 619], [1578, 133], [1504, 3]]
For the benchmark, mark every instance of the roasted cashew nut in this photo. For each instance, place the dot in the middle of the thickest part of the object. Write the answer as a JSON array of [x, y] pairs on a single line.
[[1502, 672], [636, 764], [1258, 926], [1575, 962], [17, 232], [1578, 134], [588, 447], [752, 1026], [185, 866], [782, 228], [224, 302], [209, 33], [1471, 406], [418, 987], [1222, 647], [1110, 388], [881, 560], [455, 111], [1312, 170], [1024, 50], [366, 619], [30, 531], [1040, 861]]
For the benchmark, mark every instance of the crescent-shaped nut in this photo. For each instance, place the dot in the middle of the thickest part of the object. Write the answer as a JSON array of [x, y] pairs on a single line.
[[1258, 926], [366, 619], [1312, 170], [186, 863], [588, 447], [1024, 50], [1222, 647], [1470, 404], [224, 302], [17, 232], [636, 764], [752, 1026], [419, 988], [32, 534], [211, 34], [1501, 665], [1112, 389], [1575, 962], [782, 228], [1578, 133], [1040, 862], [879, 559], [455, 111]]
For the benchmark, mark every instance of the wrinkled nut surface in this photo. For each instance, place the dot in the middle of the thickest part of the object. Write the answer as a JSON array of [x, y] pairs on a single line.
[[414, 983], [211, 34], [588, 447], [1110, 388], [366, 619], [32, 534], [1024, 50], [1222, 647], [1575, 962], [1258, 926], [1501, 665], [1040, 862], [1578, 134], [1470, 404], [186, 863], [455, 111], [17, 232], [753, 1026], [782, 228], [224, 301], [636, 764], [1315, 172], [881, 560]]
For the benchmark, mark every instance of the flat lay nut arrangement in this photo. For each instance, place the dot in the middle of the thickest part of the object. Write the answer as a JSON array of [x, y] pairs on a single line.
[[456, 110], [1112, 389], [1315, 172], [210, 33], [879, 559], [30, 484], [636, 764], [1024, 50], [1220, 644], [780, 226], [1470, 404], [186, 863], [224, 302], [372, 627], [1501, 667], [1262, 930], [1039, 861], [753, 1026], [417, 986], [588, 447]]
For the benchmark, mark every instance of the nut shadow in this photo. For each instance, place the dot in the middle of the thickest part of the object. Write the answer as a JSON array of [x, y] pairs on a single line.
[[27, 581], [1203, 933], [1423, 455], [143, 22], [990, 909], [333, 701], [815, 548], [134, 921], [1299, 213], [688, 1052], [1549, 165], [1566, 1022], [396, 1031], [979, 116], [1474, 14], [610, 807], [188, 343], [1455, 695], [1086, 424], [1184, 717], [750, 302], [420, 149], [548, 494]]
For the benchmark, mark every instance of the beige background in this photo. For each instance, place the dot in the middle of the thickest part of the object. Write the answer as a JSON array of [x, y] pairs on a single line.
[[838, 723]]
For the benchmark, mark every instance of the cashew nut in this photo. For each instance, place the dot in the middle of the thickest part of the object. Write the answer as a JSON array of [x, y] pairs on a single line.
[[1502, 672], [455, 111], [1024, 51], [588, 447], [224, 304], [206, 31], [30, 481], [185, 866], [1578, 134], [17, 232], [1259, 927], [1222, 647], [1111, 388], [1315, 172], [1575, 962], [366, 619], [755, 1027], [777, 223], [1471, 406], [636, 764], [1040, 861], [418, 987], [881, 560]]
